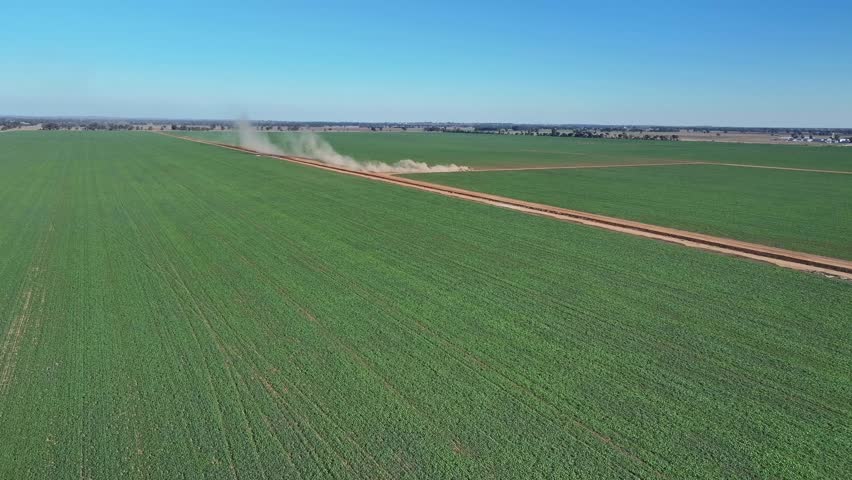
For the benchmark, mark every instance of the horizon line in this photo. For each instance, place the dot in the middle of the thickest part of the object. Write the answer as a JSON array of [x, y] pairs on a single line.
[[420, 122]]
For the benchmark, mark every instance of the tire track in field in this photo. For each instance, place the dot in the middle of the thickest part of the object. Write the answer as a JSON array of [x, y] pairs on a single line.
[[192, 305], [302, 428], [442, 343], [453, 350], [832, 267], [798, 397], [250, 348], [291, 301], [110, 203], [464, 358], [238, 381], [299, 424], [32, 287], [801, 398], [25, 320]]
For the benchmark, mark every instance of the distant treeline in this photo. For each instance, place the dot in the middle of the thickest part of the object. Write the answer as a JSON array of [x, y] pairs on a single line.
[[554, 132], [655, 132]]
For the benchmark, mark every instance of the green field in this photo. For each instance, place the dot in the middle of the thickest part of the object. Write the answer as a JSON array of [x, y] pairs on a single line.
[[176, 310], [504, 150], [804, 211]]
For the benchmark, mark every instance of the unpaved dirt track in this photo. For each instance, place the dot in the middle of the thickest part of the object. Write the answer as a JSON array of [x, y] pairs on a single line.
[[656, 164], [792, 169], [833, 267], [580, 167]]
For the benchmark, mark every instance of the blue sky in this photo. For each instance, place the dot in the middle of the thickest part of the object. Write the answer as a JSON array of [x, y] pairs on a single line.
[[720, 63]]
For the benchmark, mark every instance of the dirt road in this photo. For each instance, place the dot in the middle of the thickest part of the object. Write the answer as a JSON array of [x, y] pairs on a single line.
[[656, 164], [583, 166], [839, 172], [833, 267]]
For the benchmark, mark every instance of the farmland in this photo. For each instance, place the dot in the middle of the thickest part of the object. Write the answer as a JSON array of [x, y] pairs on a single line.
[[169, 310], [803, 211], [482, 151]]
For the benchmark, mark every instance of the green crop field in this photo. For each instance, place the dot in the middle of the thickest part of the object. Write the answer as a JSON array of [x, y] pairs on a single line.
[[804, 211], [176, 310], [513, 150]]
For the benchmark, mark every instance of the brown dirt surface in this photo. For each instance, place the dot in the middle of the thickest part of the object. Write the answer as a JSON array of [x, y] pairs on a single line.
[[583, 166], [780, 168], [832, 267], [653, 164]]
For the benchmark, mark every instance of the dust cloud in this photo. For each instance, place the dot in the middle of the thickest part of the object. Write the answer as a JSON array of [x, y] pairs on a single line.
[[311, 145], [251, 139]]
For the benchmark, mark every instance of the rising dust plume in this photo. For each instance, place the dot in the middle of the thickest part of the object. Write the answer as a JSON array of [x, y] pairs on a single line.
[[311, 145]]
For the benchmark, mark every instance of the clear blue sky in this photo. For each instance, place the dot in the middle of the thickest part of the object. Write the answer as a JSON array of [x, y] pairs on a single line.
[[722, 63]]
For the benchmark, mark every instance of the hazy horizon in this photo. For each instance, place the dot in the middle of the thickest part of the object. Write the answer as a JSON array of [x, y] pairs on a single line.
[[233, 122]]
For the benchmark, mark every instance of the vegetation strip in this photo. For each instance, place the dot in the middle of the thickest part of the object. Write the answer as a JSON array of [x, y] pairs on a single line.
[[780, 257]]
